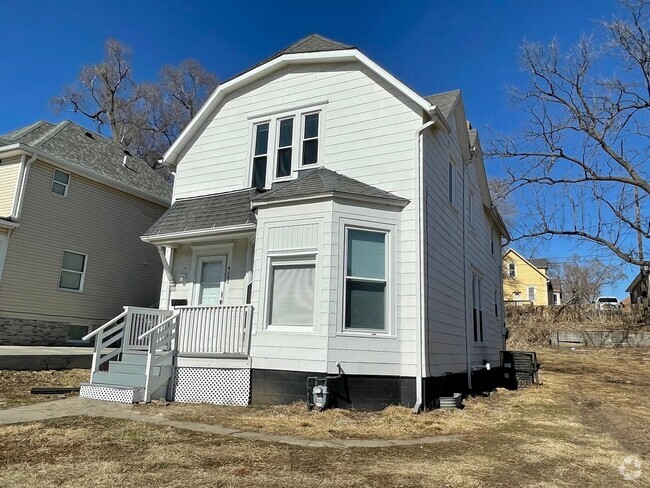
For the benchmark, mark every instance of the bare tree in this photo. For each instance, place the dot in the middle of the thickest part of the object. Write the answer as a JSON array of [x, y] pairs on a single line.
[[145, 117], [585, 151], [583, 281], [500, 192]]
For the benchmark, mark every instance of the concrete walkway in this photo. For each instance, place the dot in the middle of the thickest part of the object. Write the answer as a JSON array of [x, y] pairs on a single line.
[[37, 358], [74, 407]]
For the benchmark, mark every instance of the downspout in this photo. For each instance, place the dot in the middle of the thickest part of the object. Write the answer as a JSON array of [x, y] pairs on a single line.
[[18, 200], [19, 180], [468, 323], [421, 336]]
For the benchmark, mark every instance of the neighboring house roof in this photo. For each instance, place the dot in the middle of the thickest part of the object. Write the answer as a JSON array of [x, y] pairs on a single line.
[[525, 260], [205, 213], [91, 153], [322, 181], [445, 101], [541, 263], [556, 284], [634, 283]]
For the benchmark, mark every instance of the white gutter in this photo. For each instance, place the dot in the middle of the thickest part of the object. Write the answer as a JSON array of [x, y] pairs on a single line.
[[20, 197], [159, 238], [421, 335]]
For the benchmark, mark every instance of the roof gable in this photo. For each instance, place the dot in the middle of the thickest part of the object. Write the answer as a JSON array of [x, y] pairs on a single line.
[[526, 261], [312, 49]]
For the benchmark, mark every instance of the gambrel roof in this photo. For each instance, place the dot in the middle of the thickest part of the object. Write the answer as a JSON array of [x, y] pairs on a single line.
[[91, 154], [319, 182]]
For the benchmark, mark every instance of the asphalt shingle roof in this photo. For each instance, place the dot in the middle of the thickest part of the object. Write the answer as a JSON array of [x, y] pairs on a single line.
[[324, 181], [208, 212], [91, 152], [539, 263], [445, 101]]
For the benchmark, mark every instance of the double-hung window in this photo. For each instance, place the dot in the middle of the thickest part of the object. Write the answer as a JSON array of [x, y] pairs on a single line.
[[365, 280], [291, 292], [310, 139], [73, 271], [260, 155], [511, 270], [285, 148], [477, 309], [531, 293], [284, 144], [60, 182]]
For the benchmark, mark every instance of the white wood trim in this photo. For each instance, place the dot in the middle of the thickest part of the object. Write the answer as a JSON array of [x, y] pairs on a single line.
[[83, 273]]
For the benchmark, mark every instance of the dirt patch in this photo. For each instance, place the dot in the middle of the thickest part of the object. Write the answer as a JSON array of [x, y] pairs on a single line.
[[15, 386]]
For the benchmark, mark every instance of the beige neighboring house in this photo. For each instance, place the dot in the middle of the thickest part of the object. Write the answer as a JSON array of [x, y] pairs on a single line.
[[526, 281], [73, 205]]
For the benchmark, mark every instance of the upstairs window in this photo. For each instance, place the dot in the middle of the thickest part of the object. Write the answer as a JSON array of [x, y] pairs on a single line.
[[260, 155], [310, 139], [285, 148], [512, 271], [365, 280], [451, 194], [73, 271], [60, 182]]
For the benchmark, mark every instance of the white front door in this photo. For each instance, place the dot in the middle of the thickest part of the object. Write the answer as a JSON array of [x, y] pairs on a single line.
[[211, 277]]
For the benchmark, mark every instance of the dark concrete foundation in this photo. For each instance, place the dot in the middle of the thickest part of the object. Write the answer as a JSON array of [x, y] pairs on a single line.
[[366, 392]]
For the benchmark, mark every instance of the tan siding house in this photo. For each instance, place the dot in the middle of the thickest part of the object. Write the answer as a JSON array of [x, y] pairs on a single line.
[[70, 248]]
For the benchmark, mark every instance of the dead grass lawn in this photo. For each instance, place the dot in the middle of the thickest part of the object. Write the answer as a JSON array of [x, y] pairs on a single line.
[[575, 430], [15, 386]]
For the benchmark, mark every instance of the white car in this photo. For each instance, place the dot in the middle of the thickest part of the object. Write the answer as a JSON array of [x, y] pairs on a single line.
[[608, 303]]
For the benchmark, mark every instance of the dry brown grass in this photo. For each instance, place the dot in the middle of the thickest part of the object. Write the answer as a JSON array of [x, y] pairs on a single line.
[[575, 430], [15, 386]]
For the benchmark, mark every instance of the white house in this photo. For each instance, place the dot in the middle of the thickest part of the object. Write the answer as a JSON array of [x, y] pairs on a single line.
[[326, 221]]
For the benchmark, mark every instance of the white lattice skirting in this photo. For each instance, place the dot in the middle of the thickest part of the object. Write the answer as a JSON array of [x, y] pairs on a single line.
[[109, 394], [213, 385]]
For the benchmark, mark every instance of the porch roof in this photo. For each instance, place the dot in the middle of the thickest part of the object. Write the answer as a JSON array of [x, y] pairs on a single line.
[[206, 212]]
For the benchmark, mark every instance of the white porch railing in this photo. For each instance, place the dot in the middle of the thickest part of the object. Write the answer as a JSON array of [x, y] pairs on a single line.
[[215, 330], [162, 346], [122, 333]]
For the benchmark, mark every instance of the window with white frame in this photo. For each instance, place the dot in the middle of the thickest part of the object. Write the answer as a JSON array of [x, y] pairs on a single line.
[[311, 126], [285, 148], [73, 271], [283, 145], [477, 310], [512, 270], [60, 182], [470, 208], [531, 293], [365, 280], [260, 155], [291, 294], [451, 192]]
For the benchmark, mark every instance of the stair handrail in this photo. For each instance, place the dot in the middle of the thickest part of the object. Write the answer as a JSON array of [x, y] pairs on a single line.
[[164, 322], [152, 359], [106, 325]]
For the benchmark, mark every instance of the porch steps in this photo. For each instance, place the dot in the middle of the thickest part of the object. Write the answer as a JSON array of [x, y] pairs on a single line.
[[125, 380]]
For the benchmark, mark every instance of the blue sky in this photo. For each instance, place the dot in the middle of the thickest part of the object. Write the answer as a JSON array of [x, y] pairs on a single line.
[[431, 46]]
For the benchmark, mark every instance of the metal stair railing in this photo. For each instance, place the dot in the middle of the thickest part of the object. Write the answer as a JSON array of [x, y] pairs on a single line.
[[161, 338]]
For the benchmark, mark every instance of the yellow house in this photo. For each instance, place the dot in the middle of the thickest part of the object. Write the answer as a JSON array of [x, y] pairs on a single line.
[[525, 280]]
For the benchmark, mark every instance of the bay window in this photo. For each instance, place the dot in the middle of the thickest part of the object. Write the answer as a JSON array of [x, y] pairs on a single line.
[[365, 280]]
